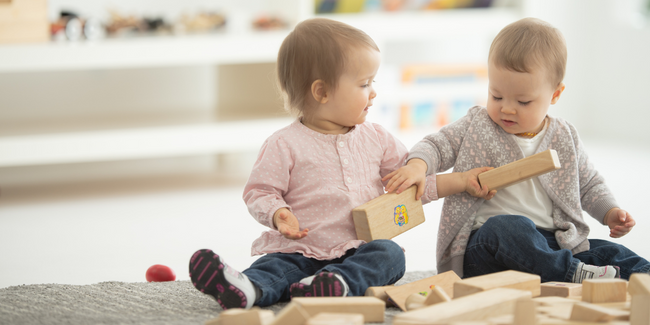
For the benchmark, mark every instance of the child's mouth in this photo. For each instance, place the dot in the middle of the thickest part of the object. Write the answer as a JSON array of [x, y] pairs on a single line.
[[508, 122]]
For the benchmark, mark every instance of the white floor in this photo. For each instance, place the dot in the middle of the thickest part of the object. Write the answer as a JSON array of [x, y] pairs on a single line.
[[83, 234]]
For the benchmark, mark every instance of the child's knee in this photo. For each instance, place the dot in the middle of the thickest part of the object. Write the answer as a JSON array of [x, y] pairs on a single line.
[[388, 247]]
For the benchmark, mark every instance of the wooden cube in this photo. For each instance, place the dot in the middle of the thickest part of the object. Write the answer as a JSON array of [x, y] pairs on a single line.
[[444, 281], [525, 312], [336, 319], [640, 310], [371, 308], [520, 170], [388, 215], [380, 293], [478, 306], [506, 279], [639, 284], [604, 290], [561, 289]]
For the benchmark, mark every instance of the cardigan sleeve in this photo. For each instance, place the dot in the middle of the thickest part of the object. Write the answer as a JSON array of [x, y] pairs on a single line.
[[269, 181], [439, 150], [595, 196]]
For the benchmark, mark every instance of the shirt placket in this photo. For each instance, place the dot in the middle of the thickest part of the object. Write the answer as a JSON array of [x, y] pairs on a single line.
[[343, 149]]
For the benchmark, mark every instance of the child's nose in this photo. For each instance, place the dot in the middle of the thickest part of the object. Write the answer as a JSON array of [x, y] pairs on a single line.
[[508, 109]]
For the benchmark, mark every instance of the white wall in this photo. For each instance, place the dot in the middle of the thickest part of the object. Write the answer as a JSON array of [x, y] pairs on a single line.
[[608, 71]]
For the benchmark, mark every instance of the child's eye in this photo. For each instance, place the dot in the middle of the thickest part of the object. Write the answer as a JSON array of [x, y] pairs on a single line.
[[524, 103], [496, 98]]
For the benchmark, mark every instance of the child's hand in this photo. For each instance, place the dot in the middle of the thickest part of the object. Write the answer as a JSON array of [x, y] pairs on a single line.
[[288, 225], [619, 221], [415, 172], [472, 185]]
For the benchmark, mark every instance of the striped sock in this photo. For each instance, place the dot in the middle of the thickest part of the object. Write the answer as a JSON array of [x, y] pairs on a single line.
[[586, 271]]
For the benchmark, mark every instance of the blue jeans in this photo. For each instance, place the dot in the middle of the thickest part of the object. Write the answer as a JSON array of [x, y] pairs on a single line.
[[377, 263], [509, 242]]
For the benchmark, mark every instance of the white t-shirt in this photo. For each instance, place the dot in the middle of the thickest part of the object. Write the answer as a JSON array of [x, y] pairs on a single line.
[[527, 198]]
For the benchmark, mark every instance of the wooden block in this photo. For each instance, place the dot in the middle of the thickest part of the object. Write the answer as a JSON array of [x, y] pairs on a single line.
[[336, 319], [525, 312], [415, 301], [640, 310], [585, 312], [520, 170], [291, 314], [436, 296], [553, 300], [478, 306], [604, 290], [506, 279], [388, 215], [561, 289], [239, 316], [639, 284], [445, 281], [373, 309], [380, 293]]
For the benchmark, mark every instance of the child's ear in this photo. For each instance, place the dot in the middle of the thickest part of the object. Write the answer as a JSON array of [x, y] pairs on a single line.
[[319, 91], [556, 94]]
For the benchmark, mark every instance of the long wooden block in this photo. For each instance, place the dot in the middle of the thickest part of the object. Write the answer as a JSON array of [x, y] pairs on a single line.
[[373, 309], [640, 310], [239, 316], [604, 290], [561, 289], [291, 314], [639, 284], [585, 312], [478, 306], [520, 170], [445, 281], [506, 279], [336, 319], [388, 215]]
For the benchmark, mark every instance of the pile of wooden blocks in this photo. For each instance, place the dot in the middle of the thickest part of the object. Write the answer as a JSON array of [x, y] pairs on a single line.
[[504, 298]]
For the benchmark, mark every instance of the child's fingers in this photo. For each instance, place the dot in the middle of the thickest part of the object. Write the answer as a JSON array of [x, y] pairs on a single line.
[[389, 176]]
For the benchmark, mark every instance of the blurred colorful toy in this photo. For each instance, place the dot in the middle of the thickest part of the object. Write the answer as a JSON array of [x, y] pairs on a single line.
[[160, 273]]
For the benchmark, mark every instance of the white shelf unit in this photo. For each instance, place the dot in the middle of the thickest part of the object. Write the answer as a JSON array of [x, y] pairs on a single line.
[[390, 30]]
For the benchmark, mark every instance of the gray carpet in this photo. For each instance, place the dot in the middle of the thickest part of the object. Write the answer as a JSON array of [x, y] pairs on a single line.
[[122, 303]]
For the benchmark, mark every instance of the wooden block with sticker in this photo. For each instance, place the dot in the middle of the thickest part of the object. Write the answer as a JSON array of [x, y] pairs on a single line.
[[604, 290], [561, 289], [372, 309], [444, 281], [480, 306], [520, 170], [506, 279], [388, 215]]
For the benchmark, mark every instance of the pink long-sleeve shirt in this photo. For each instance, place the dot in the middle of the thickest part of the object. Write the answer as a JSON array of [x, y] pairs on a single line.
[[320, 178]]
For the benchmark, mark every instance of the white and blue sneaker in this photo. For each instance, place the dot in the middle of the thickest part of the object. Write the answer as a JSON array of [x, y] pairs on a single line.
[[586, 271]]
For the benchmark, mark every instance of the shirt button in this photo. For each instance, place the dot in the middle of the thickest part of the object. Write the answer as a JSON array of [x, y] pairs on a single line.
[[341, 144], [349, 180], [345, 161]]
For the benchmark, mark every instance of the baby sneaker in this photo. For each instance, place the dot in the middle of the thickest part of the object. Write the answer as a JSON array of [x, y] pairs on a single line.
[[586, 271], [324, 284], [210, 275]]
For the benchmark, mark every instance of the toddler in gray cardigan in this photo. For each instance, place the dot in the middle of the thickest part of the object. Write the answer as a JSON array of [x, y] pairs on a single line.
[[535, 226]]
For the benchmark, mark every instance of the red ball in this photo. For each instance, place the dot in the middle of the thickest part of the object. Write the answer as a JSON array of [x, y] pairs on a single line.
[[160, 273]]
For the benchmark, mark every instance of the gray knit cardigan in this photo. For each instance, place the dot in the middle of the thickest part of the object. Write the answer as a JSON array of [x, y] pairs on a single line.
[[476, 141]]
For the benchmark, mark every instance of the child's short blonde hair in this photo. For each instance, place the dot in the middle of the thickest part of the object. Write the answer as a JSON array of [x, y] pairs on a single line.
[[316, 49], [530, 43]]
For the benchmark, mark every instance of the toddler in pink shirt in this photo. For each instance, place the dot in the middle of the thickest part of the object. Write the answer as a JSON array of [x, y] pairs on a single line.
[[310, 175]]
